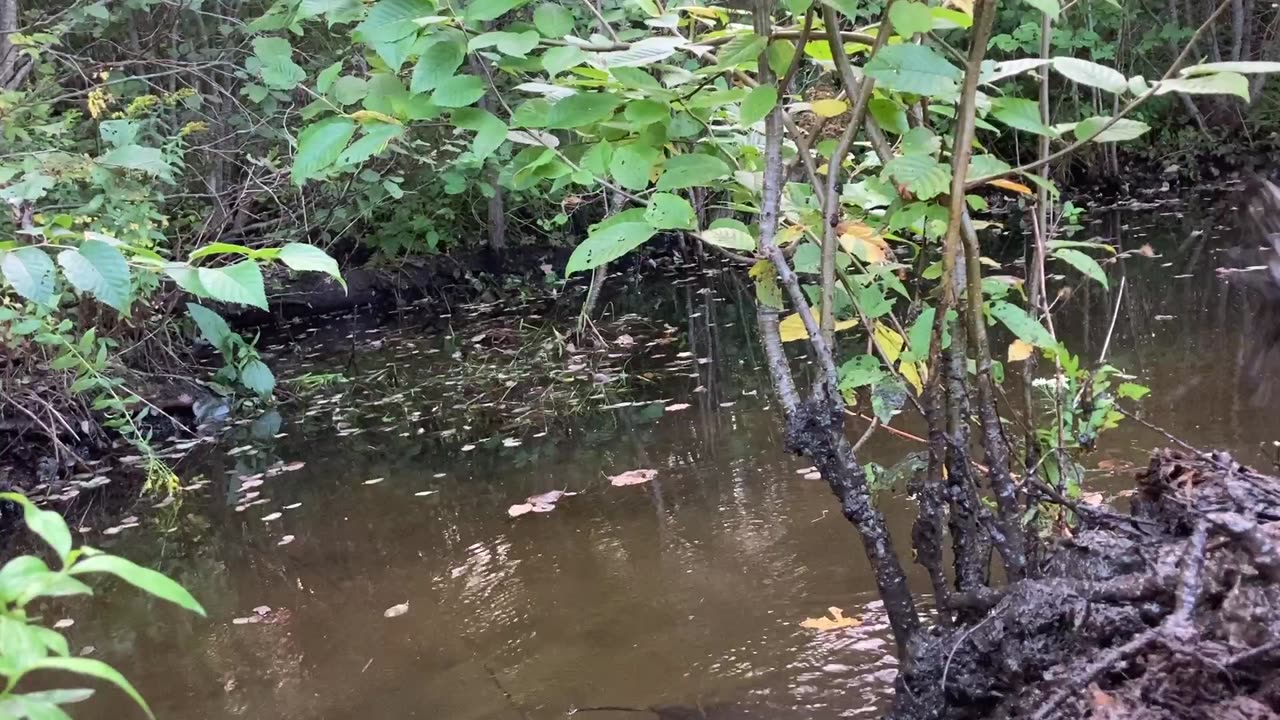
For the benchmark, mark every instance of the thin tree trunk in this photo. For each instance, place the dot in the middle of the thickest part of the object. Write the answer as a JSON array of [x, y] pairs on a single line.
[[8, 52]]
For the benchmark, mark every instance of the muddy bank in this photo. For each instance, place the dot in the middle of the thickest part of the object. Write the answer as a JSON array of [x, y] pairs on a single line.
[[1170, 611]]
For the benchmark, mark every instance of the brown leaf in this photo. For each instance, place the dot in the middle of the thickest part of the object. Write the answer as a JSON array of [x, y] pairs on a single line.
[[835, 622], [632, 477], [1146, 250]]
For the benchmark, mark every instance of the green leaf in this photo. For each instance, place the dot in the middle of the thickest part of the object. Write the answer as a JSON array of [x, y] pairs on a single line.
[[142, 578], [914, 69], [256, 376], [508, 43], [692, 170], [582, 109], [30, 273], [1223, 83], [100, 270], [1091, 74], [392, 20], [1132, 391], [143, 159], [889, 115], [212, 326], [437, 63], [641, 53], [909, 18], [632, 165], [96, 669], [646, 112], [320, 145], [922, 174], [19, 572], [458, 91], [1123, 129], [558, 59], [1083, 263], [552, 20], [239, 283], [309, 258], [325, 79], [606, 243], [670, 212], [117, 133], [780, 53], [729, 237], [46, 524], [490, 131], [1022, 325], [484, 10], [374, 140], [278, 70], [348, 90], [1048, 7], [1244, 67], [861, 371], [758, 103], [742, 48], [1021, 114]]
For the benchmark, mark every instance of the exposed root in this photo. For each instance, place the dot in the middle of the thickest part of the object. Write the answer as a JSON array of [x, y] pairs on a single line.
[[1174, 616]]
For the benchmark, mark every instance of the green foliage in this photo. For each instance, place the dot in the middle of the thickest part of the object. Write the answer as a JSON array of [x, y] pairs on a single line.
[[27, 647]]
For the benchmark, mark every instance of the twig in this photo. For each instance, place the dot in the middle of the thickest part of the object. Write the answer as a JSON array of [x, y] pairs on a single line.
[[1102, 358]]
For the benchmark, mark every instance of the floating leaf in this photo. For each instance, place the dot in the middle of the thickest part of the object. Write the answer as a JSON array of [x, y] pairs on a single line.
[[396, 610], [518, 510], [632, 477], [836, 621]]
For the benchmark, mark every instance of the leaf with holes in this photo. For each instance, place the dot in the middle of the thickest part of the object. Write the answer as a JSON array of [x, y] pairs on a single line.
[[30, 273], [100, 270], [670, 212], [632, 165], [608, 244]]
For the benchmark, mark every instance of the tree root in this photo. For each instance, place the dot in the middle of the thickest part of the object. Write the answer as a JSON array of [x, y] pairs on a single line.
[[1176, 615]]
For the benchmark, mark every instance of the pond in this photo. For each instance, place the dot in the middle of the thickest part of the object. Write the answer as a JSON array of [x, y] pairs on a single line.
[[361, 498]]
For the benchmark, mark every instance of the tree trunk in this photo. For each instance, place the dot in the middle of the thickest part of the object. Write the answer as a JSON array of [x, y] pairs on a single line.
[[8, 53]]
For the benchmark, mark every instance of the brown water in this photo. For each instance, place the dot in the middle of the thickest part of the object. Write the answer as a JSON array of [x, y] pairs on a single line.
[[687, 590]]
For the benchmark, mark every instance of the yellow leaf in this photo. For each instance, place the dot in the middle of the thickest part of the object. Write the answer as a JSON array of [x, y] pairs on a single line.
[[889, 341], [1020, 350], [830, 107], [792, 327], [912, 372], [789, 234], [964, 6], [368, 116], [862, 241], [823, 169], [835, 622], [1011, 185], [762, 268], [704, 12]]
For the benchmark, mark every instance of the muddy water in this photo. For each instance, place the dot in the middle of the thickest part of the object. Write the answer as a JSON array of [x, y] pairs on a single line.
[[686, 590]]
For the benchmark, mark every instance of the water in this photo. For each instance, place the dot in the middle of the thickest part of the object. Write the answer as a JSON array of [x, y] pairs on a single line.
[[688, 590]]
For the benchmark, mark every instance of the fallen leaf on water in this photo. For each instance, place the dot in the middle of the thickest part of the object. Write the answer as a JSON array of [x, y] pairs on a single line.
[[285, 540], [815, 475], [1094, 498], [543, 507], [835, 622], [64, 623], [374, 481], [521, 509], [396, 610], [625, 341], [425, 493], [272, 516], [1020, 350], [676, 406], [547, 498], [1146, 250], [632, 477]]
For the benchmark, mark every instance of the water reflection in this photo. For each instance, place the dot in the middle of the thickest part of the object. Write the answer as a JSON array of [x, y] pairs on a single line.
[[685, 590]]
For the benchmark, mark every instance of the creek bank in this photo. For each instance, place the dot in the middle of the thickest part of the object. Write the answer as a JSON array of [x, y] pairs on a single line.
[[1169, 611]]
